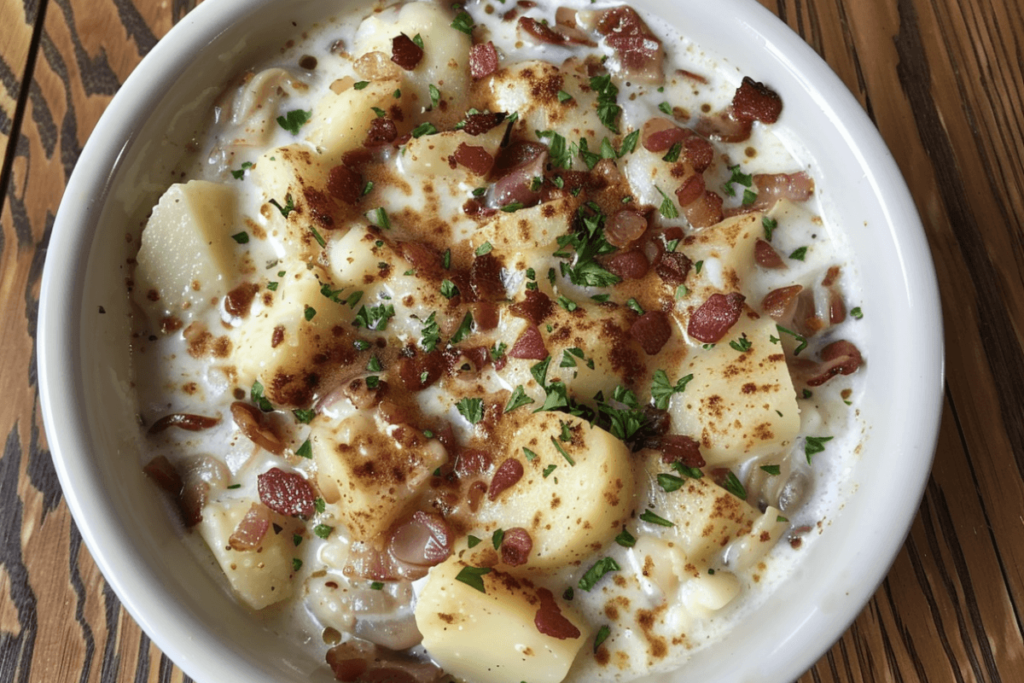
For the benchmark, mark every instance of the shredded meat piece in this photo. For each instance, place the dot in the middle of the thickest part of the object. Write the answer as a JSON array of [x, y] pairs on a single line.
[[405, 53], [715, 317]]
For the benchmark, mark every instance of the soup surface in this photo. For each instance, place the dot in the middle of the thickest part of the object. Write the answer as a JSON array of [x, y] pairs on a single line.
[[502, 342]]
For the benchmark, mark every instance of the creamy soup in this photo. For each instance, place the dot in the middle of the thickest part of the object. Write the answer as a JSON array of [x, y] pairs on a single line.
[[498, 342]]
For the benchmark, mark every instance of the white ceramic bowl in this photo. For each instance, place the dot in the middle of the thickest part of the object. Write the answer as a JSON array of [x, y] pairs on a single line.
[[89, 412]]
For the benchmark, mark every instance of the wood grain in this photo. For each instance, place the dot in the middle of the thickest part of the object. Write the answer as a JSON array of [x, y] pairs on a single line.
[[942, 80]]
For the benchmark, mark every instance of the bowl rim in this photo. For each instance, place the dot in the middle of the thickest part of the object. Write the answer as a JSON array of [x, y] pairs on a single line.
[[59, 319]]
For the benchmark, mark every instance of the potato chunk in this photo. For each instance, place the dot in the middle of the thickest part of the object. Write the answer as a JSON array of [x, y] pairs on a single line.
[[491, 636], [261, 576], [570, 509], [533, 228], [187, 255], [372, 475], [708, 518]]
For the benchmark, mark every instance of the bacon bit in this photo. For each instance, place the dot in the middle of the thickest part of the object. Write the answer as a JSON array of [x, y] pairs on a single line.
[[286, 493], [485, 278], [476, 159], [652, 330], [192, 500], [836, 307], [251, 529], [472, 461], [475, 495], [680, 448], [421, 257], [405, 53], [692, 76], [535, 307], [186, 421], [839, 358], [624, 227], [239, 300], [486, 315], [349, 660], [474, 208], [516, 546], [724, 127], [766, 256], [529, 346], [629, 265], [706, 211], [345, 184], [383, 131], [560, 34], [254, 425], [698, 152], [796, 187], [517, 165], [506, 476], [755, 101], [639, 51], [780, 303], [715, 317], [478, 124], [831, 276], [691, 190], [659, 134], [720, 475], [361, 396], [483, 60], [549, 619], [673, 268], [164, 475]]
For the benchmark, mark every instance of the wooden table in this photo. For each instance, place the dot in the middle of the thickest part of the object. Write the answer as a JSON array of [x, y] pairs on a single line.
[[942, 80]]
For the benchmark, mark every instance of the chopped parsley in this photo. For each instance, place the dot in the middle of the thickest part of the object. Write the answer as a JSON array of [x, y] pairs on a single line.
[[473, 576], [303, 415], [673, 153], [518, 399], [567, 303], [497, 351], [857, 313], [305, 450], [472, 409], [448, 289], [773, 470], [738, 177], [380, 217], [691, 472], [568, 458], [624, 422], [607, 110], [588, 243], [484, 248], [309, 313], [666, 108], [749, 197], [769, 226], [240, 173], [379, 112], [289, 205], [316, 235], [359, 85], [431, 334], [742, 344], [241, 237], [463, 22], [670, 482], [374, 365], [598, 570], [296, 564], [564, 96], [530, 455], [814, 445], [256, 394], [635, 306], [734, 486], [418, 39], [629, 143], [548, 470], [293, 120], [668, 207], [625, 539], [558, 152], [319, 504], [425, 128], [377, 585], [512, 207], [602, 635], [375, 317], [465, 329], [323, 531], [798, 337], [799, 254], [472, 541], [650, 516]]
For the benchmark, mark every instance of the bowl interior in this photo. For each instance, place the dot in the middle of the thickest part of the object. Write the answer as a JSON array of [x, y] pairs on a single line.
[[89, 410]]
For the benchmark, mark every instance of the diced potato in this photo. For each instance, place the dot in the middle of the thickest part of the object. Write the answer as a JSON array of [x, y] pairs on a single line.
[[432, 155], [580, 505], [295, 338], [445, 61], [738, 404], [257, 104], [490, 636], [531, 88], [706, 594], [726, 250], [372, 475], [341, 121], [187, 255], [261, 576], [533, 228], [708, 518], [356, 258]]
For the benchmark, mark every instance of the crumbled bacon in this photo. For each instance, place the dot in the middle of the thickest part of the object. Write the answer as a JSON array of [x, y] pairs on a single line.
[[755, 101], [706, 211], [680, 448], [472, 461], [483, 60], [535, 307], [164, 475], [766, 256], [691, 190], [628, 265], [549, 619], [653, 329], [639, 52], [478, 124], [516, 546], [715, 317], [559, 34], [781, 303], [517, 165], [251, 421], [383, 131], [838, 358], [477, 159], [485, 278], [251, 529], [423, 540], [506, 476], [659, 134], [186, 421], [625, 226], [286, 493], [405, 53], [530, 345], [673, 268]]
